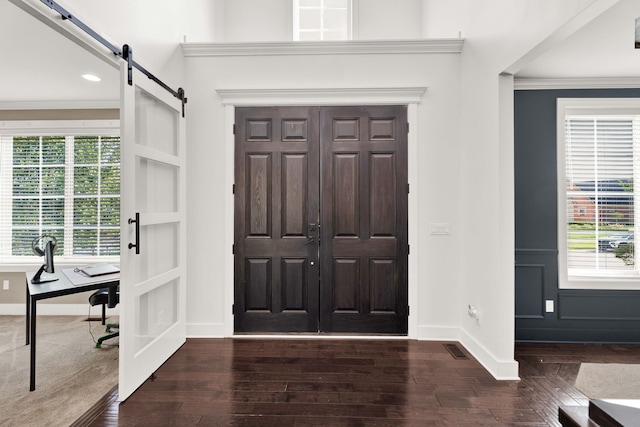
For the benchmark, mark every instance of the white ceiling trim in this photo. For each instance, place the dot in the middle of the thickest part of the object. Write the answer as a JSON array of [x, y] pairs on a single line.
[[577, 83], [418, 46], [59, 105], [322, 96]]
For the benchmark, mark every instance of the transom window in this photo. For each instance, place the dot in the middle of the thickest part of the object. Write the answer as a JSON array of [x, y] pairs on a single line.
[[316, 20], [598, 164], [60, 182]]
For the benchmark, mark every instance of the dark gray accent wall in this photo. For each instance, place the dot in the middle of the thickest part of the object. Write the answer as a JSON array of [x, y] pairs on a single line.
[[580, 315]]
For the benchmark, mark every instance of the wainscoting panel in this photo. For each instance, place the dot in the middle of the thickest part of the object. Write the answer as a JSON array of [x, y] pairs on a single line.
[[578, 316], [590, 305], [530, 291]]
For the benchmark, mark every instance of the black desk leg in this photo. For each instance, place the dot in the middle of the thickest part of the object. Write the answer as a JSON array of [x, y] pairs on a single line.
[[32, 374], [28, 299]]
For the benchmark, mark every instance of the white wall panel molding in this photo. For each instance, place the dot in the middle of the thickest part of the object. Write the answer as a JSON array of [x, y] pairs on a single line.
[[354, 47]]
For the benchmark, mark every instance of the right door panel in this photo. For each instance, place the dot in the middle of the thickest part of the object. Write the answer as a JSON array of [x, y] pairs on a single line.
[[364, 225]]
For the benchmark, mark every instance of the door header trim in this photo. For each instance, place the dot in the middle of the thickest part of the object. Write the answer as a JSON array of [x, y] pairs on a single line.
[[321, 96]]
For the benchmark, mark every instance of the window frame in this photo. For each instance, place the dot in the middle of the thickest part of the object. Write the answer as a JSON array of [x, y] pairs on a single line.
[[67, 128], [351, 4], [589, 106]]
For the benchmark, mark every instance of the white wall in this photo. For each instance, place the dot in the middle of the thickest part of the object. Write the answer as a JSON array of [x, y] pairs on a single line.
[[438, 160], [495, 37], [271, 20], [384, 19], [254, 20]]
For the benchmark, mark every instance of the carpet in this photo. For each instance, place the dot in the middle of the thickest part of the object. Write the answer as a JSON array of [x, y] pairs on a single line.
[[609, 380], [71, 374]]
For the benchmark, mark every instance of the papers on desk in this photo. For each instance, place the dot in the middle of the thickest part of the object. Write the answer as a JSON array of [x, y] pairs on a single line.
[[78, 277]]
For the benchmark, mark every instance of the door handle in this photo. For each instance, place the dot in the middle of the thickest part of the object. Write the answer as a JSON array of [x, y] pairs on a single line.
[[137, 223], [312, 233]]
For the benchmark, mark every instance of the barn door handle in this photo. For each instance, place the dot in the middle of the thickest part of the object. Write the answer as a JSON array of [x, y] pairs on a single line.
[[137, 223]]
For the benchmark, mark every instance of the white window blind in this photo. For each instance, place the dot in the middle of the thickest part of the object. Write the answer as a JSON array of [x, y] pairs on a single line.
[[316, 20], [600, 166], [63, 185]]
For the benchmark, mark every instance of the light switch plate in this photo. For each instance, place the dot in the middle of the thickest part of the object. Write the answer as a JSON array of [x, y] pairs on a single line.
[[439, 228]]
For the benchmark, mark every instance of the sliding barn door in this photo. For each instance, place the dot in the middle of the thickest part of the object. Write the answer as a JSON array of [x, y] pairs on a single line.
[[152, 286], [321, 220]]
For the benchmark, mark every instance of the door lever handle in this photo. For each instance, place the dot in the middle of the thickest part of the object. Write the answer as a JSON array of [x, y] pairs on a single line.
[[310, 241], [137, 223]]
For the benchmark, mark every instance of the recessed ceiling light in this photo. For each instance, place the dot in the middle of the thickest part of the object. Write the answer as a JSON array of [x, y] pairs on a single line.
[[91, 77]]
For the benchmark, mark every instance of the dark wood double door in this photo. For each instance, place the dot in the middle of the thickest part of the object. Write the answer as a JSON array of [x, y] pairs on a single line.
[[321, 220]]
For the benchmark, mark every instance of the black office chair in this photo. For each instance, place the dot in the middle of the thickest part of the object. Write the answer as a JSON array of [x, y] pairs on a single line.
[[101, 297]]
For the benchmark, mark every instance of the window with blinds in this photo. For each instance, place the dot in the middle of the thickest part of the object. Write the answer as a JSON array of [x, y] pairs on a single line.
[[316, 20], [599, 160], [67, 186]]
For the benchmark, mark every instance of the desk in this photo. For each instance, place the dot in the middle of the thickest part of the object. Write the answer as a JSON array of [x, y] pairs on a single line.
[[62, 286]]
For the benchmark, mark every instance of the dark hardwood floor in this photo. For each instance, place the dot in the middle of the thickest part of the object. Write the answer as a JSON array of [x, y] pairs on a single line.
[[305, 382]]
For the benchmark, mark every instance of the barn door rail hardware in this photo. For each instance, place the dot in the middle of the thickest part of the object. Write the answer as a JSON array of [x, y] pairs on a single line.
[[125, 53]]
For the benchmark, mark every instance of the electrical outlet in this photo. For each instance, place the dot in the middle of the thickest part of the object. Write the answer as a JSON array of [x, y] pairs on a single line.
[[473, 312], [5, 285], [549, 306]]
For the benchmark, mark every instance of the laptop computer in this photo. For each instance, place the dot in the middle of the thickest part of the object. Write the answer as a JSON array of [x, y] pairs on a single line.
[[99, 270]]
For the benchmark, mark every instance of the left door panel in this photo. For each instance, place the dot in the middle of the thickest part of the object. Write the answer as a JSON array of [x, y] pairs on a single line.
[[277, 214]]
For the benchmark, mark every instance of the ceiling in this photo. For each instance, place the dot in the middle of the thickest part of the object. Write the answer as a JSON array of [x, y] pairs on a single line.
[[39, 64], [603, 48], [42, 65]]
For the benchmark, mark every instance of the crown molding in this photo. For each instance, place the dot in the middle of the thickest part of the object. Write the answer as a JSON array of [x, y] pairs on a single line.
[[321, 96], [353, 47], [577, 83]]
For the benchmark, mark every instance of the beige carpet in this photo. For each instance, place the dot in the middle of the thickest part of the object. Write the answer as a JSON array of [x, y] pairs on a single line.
[[71, 374], [609, 380]]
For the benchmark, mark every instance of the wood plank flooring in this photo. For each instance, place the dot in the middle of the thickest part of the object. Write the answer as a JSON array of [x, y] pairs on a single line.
[[331, 382]]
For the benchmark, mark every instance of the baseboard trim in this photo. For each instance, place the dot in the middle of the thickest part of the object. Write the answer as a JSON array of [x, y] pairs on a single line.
[[56, 310], [501, 370], [205, 330]]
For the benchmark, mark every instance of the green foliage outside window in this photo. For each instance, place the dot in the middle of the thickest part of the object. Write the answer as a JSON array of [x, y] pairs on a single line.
[[47, 186]]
